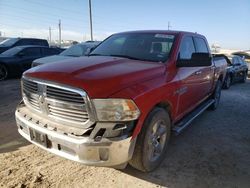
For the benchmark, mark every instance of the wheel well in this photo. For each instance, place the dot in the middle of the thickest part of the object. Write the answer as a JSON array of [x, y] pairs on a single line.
[[1, 63], [166, 106], [221, 78], [230, 74]]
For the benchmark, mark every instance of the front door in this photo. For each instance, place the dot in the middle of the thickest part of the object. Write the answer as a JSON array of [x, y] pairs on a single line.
[[29, 55]]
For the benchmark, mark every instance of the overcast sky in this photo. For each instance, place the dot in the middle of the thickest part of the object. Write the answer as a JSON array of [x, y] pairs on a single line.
[[225, 22]]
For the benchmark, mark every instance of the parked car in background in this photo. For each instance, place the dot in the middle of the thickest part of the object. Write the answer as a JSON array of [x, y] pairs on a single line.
[[12, 42], [74, 51], [245, 55], [237, 70], [18, 59], [120, 103]]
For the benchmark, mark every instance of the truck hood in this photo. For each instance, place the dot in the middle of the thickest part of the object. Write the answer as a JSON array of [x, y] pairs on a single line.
[[99, 76]]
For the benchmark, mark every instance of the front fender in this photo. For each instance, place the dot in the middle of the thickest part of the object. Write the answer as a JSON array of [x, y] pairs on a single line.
[[149, 94]]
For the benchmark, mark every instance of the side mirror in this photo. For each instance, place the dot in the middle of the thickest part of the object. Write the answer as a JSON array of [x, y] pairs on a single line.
[[197, 60]]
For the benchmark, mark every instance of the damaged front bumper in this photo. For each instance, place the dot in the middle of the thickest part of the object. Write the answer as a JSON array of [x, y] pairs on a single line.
[[109, 152]]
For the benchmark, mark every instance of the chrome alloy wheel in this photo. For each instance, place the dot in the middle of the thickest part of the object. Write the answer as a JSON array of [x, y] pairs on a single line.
[[157, 140]]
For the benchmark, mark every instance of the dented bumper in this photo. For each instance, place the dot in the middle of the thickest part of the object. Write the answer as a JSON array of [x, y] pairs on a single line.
[[84, 149]]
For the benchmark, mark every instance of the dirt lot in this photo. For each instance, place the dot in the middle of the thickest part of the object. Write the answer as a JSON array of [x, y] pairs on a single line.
[[214, 152]]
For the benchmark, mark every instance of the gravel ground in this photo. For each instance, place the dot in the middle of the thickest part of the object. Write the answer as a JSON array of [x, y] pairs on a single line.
[[213, 152]]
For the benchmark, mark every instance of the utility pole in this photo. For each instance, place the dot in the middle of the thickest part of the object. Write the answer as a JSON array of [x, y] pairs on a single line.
[[169, 25], [90, 20], [59, 27], [50, 35]]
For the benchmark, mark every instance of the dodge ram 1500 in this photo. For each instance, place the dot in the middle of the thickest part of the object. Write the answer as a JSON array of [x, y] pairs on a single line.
[[120, 104]]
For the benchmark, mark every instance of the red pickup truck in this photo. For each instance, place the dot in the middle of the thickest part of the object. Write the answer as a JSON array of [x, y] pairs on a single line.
[[120, 104]]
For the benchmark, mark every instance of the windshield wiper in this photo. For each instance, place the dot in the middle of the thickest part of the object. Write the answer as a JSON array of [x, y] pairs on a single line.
[[122, 56], [96, 55], [72, 55], [129, 57], [126, 56]]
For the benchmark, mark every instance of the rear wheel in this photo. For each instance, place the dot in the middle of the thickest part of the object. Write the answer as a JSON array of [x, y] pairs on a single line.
[[152, 142], [3, 72], [216, 96]]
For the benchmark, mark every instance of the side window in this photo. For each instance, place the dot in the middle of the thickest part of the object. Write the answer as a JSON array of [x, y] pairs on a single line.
[[47, 51], [38, 42], [21, 42], [235, 60], [33, 42], [241, 61], [186, 48], [200, 45], [43, 43], [32, 52]]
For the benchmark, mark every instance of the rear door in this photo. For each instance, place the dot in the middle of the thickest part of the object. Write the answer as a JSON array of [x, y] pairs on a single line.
[[206, 73], [189, 91]]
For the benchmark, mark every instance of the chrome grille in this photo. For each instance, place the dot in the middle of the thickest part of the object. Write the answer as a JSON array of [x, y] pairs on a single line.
[[64, 95], [30, 90], [63, 104]]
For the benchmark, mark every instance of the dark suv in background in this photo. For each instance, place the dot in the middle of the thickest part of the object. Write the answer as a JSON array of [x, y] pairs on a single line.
[[15, 61], [12, 42]]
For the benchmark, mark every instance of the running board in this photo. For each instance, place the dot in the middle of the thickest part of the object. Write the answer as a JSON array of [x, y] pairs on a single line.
[[186, 121]]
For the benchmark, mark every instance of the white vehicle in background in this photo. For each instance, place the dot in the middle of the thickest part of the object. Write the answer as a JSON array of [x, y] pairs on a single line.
[[74, 51]]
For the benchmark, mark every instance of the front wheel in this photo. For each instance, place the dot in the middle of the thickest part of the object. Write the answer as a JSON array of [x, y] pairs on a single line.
[[3, 72], [152, 142], [216, 96]]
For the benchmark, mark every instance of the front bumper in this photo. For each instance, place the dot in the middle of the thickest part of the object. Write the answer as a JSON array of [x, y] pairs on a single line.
[[106, 152]]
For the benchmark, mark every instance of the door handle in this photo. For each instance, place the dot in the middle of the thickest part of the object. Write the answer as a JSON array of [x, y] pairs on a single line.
[[198, 72]]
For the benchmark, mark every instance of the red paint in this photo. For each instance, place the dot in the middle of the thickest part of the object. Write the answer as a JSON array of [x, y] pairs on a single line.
[[147, 83]]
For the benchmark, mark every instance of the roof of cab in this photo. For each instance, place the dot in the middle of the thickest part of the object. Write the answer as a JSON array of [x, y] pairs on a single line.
[[161, 32]]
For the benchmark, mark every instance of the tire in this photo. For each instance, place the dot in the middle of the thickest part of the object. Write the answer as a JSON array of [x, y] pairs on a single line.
[[244, 77], [227, 82], [3, 72], [216, 96], [151, 144]]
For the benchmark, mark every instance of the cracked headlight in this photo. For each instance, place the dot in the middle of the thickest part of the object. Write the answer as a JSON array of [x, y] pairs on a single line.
[[116, 109]]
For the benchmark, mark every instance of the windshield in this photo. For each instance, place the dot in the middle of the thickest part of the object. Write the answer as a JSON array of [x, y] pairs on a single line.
[[12, 51], [75, 50], [140, 46], [8, 42]]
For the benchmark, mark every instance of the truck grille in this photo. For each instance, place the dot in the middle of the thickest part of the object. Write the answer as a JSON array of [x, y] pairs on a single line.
[[63, 104], [30, 90]]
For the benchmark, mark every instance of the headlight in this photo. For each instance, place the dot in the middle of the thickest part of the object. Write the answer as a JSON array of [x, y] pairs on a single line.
[[116, 109]]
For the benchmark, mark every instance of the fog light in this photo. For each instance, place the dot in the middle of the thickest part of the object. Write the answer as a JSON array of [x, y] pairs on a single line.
[[104, 154]]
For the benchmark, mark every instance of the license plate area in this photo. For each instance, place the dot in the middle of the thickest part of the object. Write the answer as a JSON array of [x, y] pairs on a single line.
[[39, 138]]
